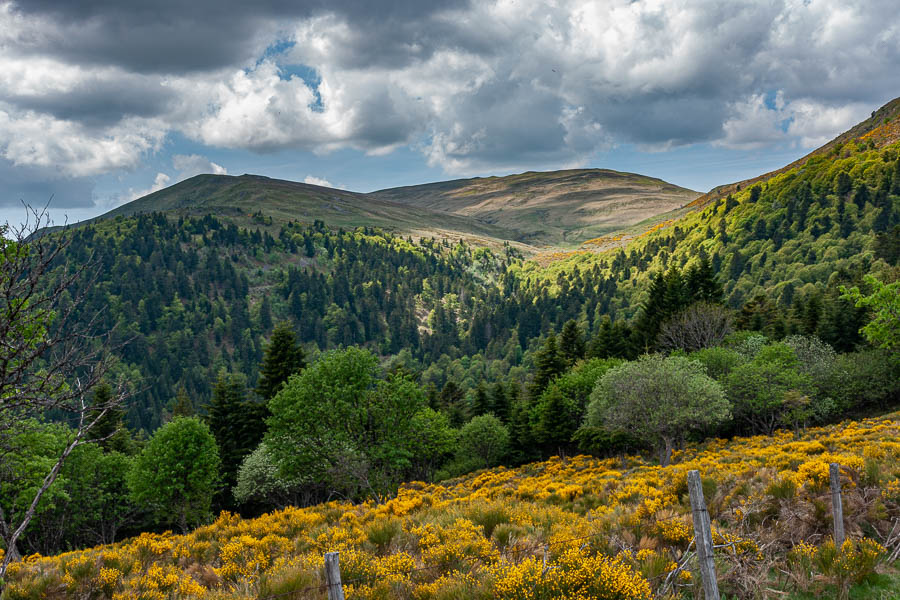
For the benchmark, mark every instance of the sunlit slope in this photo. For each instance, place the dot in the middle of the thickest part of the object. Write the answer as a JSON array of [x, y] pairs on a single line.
[[238, 198], [817, 223], [881, 129], [550, 208], [612, 528]]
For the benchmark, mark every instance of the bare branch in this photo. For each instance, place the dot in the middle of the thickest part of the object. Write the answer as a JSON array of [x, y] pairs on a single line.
[[51, 354]]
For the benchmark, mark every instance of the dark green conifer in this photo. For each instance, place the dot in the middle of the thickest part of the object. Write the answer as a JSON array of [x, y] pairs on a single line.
[[109, 431], [265, 314], [283, 357], [237, 423], [548, 364], [555, 421], [861, 196], [843, 184], [571, 343], [183, 406], [480, 402], [702, 283], [500, 401]]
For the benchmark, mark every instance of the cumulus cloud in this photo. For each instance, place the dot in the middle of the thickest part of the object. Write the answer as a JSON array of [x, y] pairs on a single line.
[[37, 186], [313, 180], [159, 182], [189, 165], [94, 87]]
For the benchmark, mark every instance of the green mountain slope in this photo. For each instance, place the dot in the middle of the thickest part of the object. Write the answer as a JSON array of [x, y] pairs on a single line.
[[556, 208], [240, 198], [779, 241]]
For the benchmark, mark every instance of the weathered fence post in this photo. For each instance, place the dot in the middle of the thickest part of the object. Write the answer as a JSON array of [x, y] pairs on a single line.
[[837, 508], [703, 537], [333, 576]]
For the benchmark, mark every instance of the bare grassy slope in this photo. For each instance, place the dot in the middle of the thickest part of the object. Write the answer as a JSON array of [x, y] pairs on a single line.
[[557, 207]]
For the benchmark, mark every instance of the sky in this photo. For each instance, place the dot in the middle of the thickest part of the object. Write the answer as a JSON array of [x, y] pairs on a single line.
[[103, 101]]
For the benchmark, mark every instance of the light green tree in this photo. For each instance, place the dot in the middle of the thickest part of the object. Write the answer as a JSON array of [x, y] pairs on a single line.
[[436, 441], [884, 329], [483, 442], [344, 424], [658, 399], [177, 473], [769, 391], [258, 481]]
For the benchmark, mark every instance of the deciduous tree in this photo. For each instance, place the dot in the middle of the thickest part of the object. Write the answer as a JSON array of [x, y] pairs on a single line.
[[177, 473], [658, 399]]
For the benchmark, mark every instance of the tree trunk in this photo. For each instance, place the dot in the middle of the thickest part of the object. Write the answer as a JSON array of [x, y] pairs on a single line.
[[665, 453]]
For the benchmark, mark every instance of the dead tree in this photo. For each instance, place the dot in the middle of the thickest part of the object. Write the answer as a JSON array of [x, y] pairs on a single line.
[[699, 326], [51, 355]]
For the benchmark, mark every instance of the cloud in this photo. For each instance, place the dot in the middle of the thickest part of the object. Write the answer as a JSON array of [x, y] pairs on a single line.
[[38, 187], [753, 124], [159, 182], [32, 139], [312, 180], [189, 165], [95, 87]]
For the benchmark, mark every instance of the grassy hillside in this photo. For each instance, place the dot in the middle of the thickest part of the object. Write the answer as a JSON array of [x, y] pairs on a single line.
[[611, 528], [552, 208], [240, 198]]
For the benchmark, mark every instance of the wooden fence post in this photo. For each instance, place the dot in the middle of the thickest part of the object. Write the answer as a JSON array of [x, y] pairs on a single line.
[[837, 508], [703, 537], [333, 576]]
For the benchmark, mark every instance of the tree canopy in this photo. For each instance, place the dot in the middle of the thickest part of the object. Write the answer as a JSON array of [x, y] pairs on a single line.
[[659, 399], [345, 423], [177, 473]]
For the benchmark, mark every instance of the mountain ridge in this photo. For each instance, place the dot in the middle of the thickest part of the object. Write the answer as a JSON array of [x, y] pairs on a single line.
[[530, 210], [572, 204]]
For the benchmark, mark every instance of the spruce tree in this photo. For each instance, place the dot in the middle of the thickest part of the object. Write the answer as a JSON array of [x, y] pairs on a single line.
[[480, 403], [110, 432], [653, 311], [548, 364], [556, 421], [224, 417], [265, 314], [237, 423], [702, 283], [283, 357], [843, 184], [571, 343], [895, 179], [677, 295], [861, 196], [500, 401], [600, 345], [183, 405], [451, 403]]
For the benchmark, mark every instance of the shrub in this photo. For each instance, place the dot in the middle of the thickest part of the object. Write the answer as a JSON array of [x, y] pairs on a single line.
[[484, 441]]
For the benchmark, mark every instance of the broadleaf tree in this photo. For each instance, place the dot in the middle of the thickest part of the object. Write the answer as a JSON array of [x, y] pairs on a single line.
[[658, 399], [177, 473], [345, 424]]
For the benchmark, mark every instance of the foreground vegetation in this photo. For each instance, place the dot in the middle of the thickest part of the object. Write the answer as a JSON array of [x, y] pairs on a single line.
[[613, 528]]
